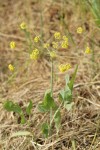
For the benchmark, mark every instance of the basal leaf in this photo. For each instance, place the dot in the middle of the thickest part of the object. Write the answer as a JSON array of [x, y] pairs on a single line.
[[23, 120], [29, 108], [57, 120], [10, 106], [45, 129]]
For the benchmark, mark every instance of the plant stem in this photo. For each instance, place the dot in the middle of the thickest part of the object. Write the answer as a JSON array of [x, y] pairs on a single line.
[[51, 91], [51, 77], [41, 19]]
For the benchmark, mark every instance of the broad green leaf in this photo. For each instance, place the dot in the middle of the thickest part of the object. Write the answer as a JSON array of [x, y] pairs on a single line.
[[68, 106], [68, 96], [29, 108], [21, 133], [10, 106], [45, 129], [65, 95], [71, 83], [47, 103], [57, 120], [42, 108]]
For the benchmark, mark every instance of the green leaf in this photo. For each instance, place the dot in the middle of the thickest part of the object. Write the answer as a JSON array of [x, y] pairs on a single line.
[[68, 96], [47, 103], [67, 79], [68, 106], [57, 120], [23, 120], [45, 129], [65, 95], [62, 95], [10, 106], [21, 133], [42, 108], [71, 83], [29, 108]]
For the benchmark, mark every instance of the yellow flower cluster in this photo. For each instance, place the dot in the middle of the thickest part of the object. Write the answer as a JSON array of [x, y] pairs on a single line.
[[79, 30], [35, 54], [11, 67], [23, 26], [65, 38], [88, 50], [46, 45], [53, 54], [12, 45], [55, 45], [57, 35], [36, 39], [64, 44], [64, 67]]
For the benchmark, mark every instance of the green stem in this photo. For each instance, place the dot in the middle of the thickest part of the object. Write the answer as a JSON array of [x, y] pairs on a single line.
[[51, 77], [51, 91]]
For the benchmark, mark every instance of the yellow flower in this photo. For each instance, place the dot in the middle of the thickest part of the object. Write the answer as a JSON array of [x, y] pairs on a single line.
[[36, 39], [64, 44], [46, 45], [79, 30], [55, 44], [88, 50], [64, 67], [11, 67], [23, 26], [12, 45], [65, 38], [35, 54], [53, 54], [57, 35]]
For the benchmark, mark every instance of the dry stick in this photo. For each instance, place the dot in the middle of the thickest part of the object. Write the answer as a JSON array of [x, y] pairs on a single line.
[[12, 36]]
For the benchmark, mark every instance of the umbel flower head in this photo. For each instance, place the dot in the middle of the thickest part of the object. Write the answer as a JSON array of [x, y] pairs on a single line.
[[23, 26], [88, 50], [35, 54], [64, 44], [11, 67], [36, 39], [64, 67], [79, 30], [12, 45], [65, 38], [55, 45], [57, 35]]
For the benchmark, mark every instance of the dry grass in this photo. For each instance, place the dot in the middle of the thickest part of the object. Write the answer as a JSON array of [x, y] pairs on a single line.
[[82, 124]]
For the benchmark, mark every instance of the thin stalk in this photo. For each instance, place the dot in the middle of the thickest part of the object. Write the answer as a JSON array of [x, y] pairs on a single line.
[[51, 91], [41, 19], [51, 77], [93, 59]]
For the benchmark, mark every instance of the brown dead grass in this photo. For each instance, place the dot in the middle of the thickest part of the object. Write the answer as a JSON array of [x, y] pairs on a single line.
[[82, 124]]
